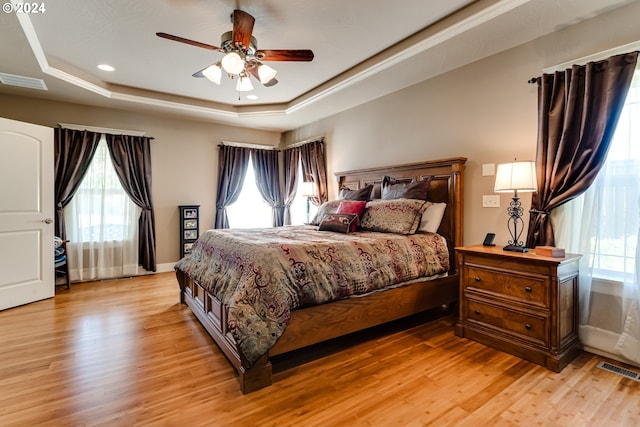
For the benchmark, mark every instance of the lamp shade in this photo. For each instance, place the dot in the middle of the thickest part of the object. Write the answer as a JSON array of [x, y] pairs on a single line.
[[233, 63], [308, 189], [244, 84], [213, 73], [516, 176], [266, 73]]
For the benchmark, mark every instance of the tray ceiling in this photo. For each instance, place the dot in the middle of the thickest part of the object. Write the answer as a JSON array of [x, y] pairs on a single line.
[[363, 49]]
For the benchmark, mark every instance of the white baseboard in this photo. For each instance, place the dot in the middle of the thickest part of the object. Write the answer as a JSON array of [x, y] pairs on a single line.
[[166, 267]]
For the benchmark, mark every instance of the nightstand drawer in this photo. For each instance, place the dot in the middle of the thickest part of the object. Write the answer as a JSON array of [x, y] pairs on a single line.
[[530, 327], [516, 286]]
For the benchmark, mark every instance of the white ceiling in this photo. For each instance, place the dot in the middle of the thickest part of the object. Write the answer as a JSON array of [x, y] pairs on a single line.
[[363, 49]]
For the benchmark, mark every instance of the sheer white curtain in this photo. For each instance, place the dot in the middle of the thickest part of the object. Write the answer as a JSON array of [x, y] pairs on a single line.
[[250, 210], [102, 224], [603, 225]]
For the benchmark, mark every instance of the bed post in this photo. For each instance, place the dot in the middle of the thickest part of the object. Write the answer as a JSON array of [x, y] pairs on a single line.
[[256, 377], [182, 281]]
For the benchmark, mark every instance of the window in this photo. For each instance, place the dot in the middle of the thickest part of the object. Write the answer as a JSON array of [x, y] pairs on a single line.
[[250, 210], [615, 247], [612, 202], [102, 223]]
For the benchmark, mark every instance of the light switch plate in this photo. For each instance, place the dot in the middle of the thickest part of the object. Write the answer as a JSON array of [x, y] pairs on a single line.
[[492, 201]]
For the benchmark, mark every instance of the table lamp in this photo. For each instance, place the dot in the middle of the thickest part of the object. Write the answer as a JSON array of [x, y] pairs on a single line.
[[516, 176]]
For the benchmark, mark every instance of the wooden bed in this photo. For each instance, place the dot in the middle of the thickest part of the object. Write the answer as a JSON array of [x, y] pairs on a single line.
[[316, 324]]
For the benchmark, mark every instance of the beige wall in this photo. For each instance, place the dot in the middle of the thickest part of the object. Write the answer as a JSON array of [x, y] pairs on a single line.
[[184, 156], [485, 111]]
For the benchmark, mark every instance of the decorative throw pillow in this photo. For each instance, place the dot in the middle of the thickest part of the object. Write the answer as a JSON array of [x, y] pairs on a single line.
[[393, 188], [326, 208], [432, 217], [389, 181], [361, 194], [352, 207], [341, 223], [401, 216]]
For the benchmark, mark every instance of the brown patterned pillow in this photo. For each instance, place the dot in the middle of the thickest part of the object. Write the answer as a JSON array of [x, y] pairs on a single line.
[[342, 223], [361, 194], [401, 216], [393, 188]]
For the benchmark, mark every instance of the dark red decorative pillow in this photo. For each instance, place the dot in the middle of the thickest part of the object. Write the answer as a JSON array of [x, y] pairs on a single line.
[[341, 223], [352, 207]]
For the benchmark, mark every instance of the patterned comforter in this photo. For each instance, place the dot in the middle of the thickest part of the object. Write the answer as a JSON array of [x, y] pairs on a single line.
[[263, 274]]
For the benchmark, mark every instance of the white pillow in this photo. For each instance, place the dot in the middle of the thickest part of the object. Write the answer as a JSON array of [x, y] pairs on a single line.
[[432, 217]]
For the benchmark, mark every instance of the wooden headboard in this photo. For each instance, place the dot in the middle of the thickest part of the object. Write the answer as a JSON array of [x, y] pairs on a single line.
[[447, 185]]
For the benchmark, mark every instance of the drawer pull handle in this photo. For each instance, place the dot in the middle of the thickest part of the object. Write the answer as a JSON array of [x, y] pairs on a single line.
[[528, 289], [528, 326], [478, 312], [477, 279]]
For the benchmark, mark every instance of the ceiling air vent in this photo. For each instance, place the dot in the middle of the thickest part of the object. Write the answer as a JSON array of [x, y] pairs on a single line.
[[21, 81]]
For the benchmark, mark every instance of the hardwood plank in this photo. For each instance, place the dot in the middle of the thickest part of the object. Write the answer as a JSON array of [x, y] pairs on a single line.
[[125, 352]]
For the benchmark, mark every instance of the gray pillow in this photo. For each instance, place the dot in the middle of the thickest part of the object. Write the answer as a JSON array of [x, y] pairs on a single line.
[[361, 194], [393, 188]]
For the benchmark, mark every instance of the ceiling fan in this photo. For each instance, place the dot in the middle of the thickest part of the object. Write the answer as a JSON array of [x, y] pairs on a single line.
[[242, 57]]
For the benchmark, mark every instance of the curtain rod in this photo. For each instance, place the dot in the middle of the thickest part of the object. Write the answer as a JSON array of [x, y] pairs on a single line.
[[247, 145], [306, 141], [103, 130], [627, 48]]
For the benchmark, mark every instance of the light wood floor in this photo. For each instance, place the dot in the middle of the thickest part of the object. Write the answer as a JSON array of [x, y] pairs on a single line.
[[125, 352]]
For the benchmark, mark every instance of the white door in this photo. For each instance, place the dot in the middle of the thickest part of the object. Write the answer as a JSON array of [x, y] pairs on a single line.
[[26, 213]]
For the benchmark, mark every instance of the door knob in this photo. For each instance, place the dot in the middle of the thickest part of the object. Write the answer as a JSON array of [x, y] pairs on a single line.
[[47, 221]]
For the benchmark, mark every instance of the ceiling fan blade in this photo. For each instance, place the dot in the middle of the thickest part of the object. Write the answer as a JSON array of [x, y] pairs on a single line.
[[199, 73], [186, 41], [304, 55], [242, 28], [271, 82]]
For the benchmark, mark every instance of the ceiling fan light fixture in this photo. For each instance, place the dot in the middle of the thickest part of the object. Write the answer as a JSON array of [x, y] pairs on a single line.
[[266, 73], [213, 73], [241, 57], [244, 84], [233, 63]]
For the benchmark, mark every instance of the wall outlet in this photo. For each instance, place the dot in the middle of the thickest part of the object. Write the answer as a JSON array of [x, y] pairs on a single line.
[[492, 201]]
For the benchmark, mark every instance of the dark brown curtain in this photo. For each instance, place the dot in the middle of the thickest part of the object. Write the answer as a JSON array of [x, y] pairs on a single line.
[[314, 169], [131, 156], [73, 151], [232, 168], [291, 160], [578, 110], [267, 170]]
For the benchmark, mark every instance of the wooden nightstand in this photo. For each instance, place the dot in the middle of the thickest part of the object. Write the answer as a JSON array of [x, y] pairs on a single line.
[[520, 303]]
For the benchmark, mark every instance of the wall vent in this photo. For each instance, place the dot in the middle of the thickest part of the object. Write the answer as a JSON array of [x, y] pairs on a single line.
[[618, 370], [21, 81]]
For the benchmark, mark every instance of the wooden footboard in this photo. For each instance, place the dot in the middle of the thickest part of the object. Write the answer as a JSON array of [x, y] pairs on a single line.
[[315, 324]]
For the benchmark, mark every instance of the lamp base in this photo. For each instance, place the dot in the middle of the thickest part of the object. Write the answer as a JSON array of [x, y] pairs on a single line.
[[515, 248]]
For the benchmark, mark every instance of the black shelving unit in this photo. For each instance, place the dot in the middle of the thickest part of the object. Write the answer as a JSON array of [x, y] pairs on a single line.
[[189, 227]]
